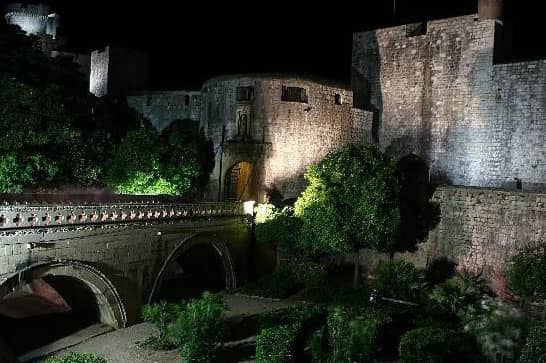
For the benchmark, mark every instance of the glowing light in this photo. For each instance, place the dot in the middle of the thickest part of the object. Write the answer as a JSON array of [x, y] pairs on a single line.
[[249, 207]]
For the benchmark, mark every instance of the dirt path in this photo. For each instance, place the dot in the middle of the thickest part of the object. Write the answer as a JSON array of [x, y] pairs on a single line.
[[123, 346]]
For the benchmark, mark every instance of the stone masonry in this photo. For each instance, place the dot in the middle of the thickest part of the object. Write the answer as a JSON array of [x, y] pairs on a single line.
[[162, 108], [125, 245], [436, 92], [283, 137]]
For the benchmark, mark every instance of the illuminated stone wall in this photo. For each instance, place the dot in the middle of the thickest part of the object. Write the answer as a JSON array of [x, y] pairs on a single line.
[[283, 137], [482, 228], [33, 19], [521, 96], [162, 108], [437, 93], [98, 79], [117, 71]]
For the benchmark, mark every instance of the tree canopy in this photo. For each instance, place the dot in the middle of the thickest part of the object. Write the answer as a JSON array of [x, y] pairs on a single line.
[[55, 133], [351, 202]]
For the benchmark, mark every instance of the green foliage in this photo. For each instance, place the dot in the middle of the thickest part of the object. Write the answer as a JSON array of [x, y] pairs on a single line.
[[287, 280], [276, 226], [534, 350], [527, 274], [353, 334], [147, 163], [459, 296], [398, 279], [161, 315], [499, 329], [436, 345], [53, 131], [439, 271], [350, 202], [277, 344], [76, 358], [198, 328], [281, 330]]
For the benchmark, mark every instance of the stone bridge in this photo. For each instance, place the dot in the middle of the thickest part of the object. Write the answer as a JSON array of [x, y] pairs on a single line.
[[114, 257]]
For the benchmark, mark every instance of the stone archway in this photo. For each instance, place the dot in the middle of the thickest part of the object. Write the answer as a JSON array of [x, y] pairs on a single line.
[[238, 183], [48, 301], [195, 265]]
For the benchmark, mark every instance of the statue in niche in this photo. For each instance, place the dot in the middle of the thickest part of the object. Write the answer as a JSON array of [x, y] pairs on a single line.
[[242, 124]]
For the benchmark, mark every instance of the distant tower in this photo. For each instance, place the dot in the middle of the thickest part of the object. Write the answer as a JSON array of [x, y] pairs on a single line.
[[117, 71], [490, 9], [35, 20]]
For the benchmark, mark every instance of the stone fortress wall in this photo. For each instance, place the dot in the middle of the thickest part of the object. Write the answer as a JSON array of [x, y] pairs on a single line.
[[33, 19], [163, 107], [117, 71], [278, 124], [438, 93]]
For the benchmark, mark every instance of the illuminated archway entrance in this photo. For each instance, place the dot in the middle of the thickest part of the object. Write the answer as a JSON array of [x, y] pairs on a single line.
[[238, 182]]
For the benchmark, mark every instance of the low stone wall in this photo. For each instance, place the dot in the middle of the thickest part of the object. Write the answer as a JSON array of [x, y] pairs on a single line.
[[480, 229]]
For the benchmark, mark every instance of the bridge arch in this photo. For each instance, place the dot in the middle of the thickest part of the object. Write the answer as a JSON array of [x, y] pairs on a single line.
[[111, 310], [197, 247]]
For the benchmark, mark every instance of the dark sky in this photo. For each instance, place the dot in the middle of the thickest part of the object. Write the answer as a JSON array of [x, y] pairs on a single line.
[[190, 41]]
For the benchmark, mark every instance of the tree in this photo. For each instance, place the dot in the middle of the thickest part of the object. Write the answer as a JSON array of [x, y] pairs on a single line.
[[527, 274], [351, 202], [54, 131], [174, 162]]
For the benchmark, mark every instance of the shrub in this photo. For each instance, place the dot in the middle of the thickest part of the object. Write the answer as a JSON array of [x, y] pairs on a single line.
[[458, 295], [198, 328], [277, 344], [75, 357], [436, 345], [354, 334], [281, 330], [439, 271], [276, 226], [534, 350], [287, 280], [398, 279], [499, 329], [161, 315], [527, 274]]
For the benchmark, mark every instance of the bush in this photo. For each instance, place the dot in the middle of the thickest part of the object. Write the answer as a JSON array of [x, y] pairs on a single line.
[[499, 329], [398, 279], [527, 274], [77, 358], [287, 280], [276, 226], [161, 315], [277, 344], [354, 334], [534, 350], [198, 328], [459, 296], [436, 345], [282, 329], [439, 271]]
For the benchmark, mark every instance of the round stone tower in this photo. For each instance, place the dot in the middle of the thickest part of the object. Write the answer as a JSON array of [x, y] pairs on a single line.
[[490, 9], [33, 19]]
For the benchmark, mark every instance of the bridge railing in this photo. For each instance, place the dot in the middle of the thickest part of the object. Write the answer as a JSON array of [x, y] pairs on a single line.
[[15, 215]]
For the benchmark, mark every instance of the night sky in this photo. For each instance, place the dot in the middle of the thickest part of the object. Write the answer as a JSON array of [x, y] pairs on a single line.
[[190, 41]]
